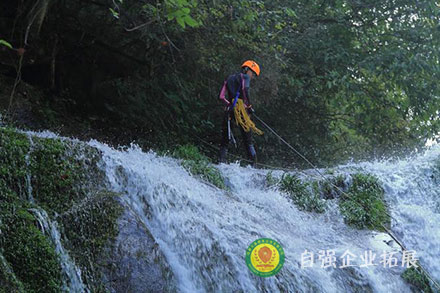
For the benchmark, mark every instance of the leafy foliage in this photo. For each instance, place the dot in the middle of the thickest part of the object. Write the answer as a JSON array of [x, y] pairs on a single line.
[[364, 205], [198, 164], [417, 278], [6, 44], [302, 194], [339, 79]]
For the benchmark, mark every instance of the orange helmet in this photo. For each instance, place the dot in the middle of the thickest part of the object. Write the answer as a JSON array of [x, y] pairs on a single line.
[[252, 65]]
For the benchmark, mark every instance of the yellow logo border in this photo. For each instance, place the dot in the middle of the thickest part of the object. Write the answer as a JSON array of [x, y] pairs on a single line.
[[272, 243]]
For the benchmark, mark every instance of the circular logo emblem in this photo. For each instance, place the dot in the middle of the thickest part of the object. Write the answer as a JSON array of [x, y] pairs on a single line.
[[265, 257]]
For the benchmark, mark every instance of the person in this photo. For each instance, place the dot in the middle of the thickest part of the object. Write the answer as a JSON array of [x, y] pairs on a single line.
[[238, 106]]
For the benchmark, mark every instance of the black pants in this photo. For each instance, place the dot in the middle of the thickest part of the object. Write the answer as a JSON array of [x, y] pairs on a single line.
[[246, 136]]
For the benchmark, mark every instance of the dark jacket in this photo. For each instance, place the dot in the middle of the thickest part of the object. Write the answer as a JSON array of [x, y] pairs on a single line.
[[238, 83]]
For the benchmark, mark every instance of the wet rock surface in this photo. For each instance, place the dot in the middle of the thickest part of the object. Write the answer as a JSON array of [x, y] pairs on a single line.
[[135, 262]]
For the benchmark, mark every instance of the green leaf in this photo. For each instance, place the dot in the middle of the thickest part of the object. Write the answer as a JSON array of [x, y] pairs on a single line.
[[190, 21], [4, 43], [114, 13], [171, 16], [290, 12], [181, 21]]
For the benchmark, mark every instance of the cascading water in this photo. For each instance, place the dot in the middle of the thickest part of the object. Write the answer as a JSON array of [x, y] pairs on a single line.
[[72, 281], [413, 193], [204, 231]]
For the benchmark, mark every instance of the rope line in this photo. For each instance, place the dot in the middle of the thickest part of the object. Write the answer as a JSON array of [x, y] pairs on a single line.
[[389, 232], [342, 192]]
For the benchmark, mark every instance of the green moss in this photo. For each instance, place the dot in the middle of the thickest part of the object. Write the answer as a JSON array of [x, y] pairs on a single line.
[[13, 150], [417, 278], [8, 280], [60, 178], [302, 194], [28, 251], [198, 164], [89, 228], [189, 152], [364, 206], [30, 262], [64, 176]]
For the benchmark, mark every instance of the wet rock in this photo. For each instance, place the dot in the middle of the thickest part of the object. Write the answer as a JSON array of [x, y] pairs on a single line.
[[135, 262]]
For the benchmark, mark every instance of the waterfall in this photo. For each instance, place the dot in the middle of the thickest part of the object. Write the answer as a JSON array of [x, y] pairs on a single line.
[[72, 281], [204, 231], [413, 193]]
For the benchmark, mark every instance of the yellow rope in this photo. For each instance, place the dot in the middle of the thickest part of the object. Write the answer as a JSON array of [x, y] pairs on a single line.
[[242, 118]]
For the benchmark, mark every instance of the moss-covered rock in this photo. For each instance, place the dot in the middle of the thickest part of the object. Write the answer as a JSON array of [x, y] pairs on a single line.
[[8, 280], [89, 227], [28, 252], [14, 149], [135, 262], [198, 164], [29, 260], [363, 205], [63, 178], [63, 173]]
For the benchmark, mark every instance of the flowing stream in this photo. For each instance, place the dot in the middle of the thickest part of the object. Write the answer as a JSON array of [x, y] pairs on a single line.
[[72, 281], [204, 231]]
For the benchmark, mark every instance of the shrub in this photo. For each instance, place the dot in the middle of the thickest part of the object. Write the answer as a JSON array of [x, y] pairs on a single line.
[[271, 180], [198, 164], [363, 206], [301, 194], [417, 278]]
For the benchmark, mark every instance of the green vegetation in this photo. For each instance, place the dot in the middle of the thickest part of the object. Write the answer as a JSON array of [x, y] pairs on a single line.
[[340, 79], [417, 278], [331, 187], [28, 254], [6, 44], [8, 280], [59, 190], [90, 228], [198, 164], [13, 150], [65, 181], [302, 194], [271, 180], [364, 206]]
